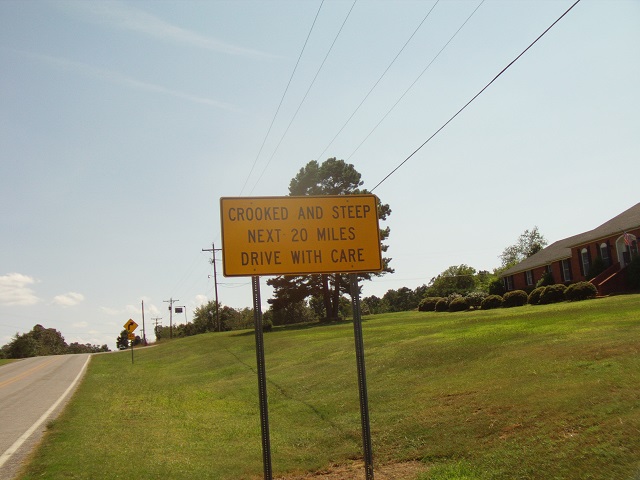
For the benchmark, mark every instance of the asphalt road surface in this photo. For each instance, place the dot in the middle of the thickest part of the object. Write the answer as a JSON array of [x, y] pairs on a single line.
[[33, 391]]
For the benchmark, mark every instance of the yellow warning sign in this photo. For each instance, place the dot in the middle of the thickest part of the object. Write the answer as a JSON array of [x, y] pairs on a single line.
[[130, 326], [300, 235]]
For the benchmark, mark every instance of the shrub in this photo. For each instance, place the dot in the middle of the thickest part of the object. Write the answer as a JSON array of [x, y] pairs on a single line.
[[428, 304], [552, 294], [267, 325], [580, 291], [496, 287], [458, 305], [452, 296], [534, 296], [597, 267], [633, 273], [546, 280], [442, 305], [514, 298], [492, 301], [474, 299]]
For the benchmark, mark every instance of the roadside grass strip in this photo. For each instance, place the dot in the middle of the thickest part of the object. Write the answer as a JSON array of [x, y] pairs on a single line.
[[533, 392]]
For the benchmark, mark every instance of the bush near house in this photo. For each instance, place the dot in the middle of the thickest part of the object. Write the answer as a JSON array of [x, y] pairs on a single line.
[[597, 267], [459, 304], [428, 304], [492, 301], [442, 305], [552, 294], [474, 299], [546, 280], [580, 291], [514, 298], [534, 296], [633, 273]]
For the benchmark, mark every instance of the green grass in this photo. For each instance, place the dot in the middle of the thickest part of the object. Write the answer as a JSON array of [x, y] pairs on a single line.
[[545, 392]]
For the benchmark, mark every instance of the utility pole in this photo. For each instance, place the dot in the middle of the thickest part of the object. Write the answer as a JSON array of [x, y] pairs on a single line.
[[170, 302], [213, 251], [144, 332], [155, 328]]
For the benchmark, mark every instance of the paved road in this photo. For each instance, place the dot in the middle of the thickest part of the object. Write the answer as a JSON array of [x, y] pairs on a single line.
[[32, 392]]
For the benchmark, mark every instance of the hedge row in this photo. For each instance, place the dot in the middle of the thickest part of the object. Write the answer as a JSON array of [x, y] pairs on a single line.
[[515, 298]]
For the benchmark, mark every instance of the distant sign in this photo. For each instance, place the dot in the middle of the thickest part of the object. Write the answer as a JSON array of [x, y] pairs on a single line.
[[300, 235], [131, 336], [130, 326]]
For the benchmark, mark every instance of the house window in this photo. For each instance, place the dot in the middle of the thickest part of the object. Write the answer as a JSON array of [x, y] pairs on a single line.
[[508, 283], [584, 255], [604, 254], [566, 270], [529, 277]]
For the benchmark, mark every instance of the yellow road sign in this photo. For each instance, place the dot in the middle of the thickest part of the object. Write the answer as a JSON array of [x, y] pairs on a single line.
[[131, 336], [130, 326], [300, 235]]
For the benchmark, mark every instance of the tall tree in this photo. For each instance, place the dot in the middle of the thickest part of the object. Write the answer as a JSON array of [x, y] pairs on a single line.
[[459, 279], [332, 177], [122, 341], [529, 243]]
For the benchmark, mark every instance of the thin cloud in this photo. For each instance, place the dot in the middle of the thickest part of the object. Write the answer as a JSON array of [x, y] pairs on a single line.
[[131, 310], [15, 290], [119, 15], [111, 311], [70, 299], [119, 79], [201, 300]]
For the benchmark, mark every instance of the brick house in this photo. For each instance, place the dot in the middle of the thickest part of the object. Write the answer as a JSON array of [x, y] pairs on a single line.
[[611, 246]]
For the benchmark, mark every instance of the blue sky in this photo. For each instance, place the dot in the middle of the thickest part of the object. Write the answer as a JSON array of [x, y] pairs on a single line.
[[123, 123]]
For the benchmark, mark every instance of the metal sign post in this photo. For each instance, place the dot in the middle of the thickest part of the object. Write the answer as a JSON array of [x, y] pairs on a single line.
[[362, 377], [130, 326], [262, 378]]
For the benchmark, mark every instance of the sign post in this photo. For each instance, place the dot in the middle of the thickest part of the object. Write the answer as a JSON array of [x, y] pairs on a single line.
[[362, 377], [301, 236], [262, 378], [130, 326]]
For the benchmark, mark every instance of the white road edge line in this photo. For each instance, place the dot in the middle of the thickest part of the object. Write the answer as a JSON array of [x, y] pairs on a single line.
[[23, 438]]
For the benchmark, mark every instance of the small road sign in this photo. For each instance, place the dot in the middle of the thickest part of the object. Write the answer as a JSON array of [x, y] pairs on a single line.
[[131, 336], [130, 326]]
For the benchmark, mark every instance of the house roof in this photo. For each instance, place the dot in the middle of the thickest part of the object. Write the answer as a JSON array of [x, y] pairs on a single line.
[[627, 220]]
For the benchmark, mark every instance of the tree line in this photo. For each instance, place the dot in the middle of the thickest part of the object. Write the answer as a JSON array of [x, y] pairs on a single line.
[[41, 341]]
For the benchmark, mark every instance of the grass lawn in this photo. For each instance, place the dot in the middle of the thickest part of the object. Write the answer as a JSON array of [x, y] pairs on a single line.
[[544, 392]]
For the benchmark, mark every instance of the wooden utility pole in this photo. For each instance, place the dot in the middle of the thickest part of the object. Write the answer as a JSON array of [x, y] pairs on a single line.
[[144, 332], [213, 251], [157, 321], [171, 301]]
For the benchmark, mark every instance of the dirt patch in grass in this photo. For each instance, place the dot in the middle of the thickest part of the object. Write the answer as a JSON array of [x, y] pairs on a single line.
[[355, 471]]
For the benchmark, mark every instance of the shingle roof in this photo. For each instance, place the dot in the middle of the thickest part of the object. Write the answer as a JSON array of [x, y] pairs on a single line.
[[627, 220]]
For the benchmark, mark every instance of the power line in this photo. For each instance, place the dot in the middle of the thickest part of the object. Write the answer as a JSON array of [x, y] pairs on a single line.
[[305, 95], [476, 96], [187, 273], [416, 80], [379, 79], [282, 99]]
